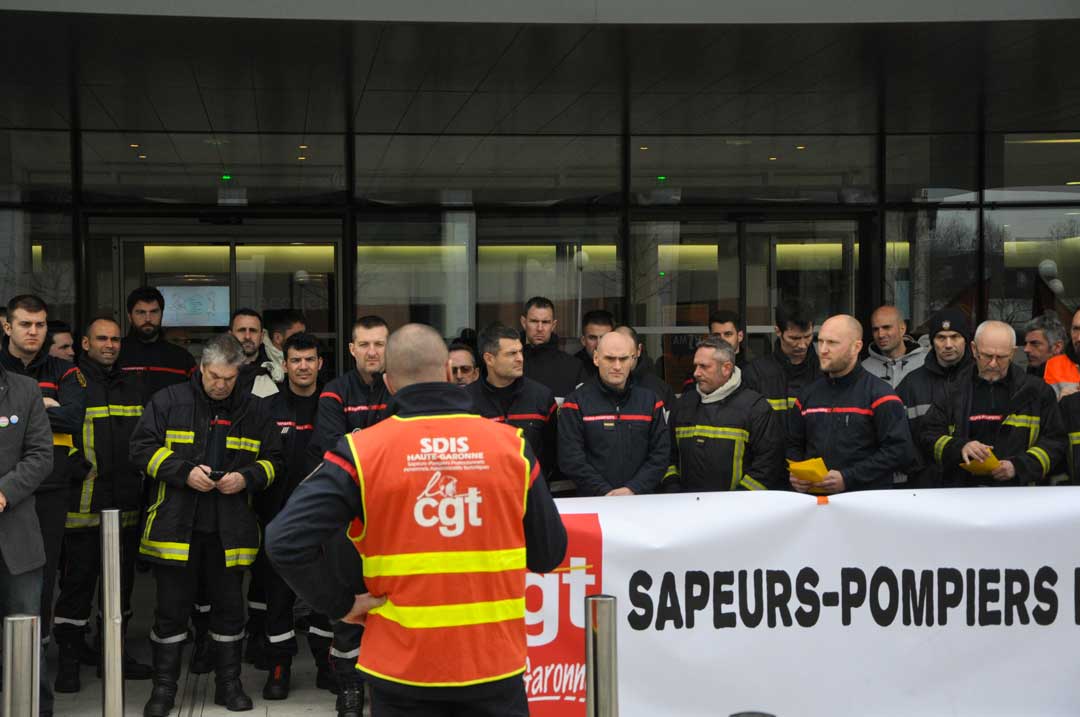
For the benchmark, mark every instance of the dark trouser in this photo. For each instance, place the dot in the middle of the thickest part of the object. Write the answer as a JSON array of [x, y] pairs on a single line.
[[280, 632], [348, 571], [177, 587], [200, 617], [508, 701], [21, 595], [51, 509], [79, 577], [258, 597]]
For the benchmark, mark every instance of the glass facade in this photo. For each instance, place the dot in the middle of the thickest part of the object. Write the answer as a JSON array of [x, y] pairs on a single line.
[[446, 173]]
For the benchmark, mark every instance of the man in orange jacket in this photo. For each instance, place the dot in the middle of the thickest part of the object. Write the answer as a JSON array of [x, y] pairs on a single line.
[[448, 510], [1061, 371]]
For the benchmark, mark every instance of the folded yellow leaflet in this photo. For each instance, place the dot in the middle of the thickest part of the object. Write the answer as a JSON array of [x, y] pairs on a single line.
[[812, 469], [980, 468]]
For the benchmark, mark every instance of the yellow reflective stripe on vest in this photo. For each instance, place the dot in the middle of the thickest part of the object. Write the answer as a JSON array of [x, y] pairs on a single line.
[[939, 447], [437, 563], [751, 484], [459, 615], [156, 460], [128, 519], [86, 496], [781, 404], [116, 409], [97, 412], [672, 470], [740, 436], [268, 468], [1043, 457], [165, 551], [238, 557], [151, 513], [172, 437], [1074, 439], [237, 443], [469, 683], [1029, 422]]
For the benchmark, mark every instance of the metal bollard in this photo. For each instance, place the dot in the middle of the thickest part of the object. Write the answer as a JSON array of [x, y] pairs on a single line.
[[22, 664], [601, 666], [112, 692]]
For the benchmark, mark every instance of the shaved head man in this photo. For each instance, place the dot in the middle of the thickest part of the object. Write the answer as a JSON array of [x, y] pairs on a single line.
[[850, 419], [416, 353], [615, 358], [893, 355], [995, 411]]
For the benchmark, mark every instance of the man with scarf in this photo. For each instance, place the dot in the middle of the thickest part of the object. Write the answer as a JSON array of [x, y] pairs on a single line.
[[724, 435]]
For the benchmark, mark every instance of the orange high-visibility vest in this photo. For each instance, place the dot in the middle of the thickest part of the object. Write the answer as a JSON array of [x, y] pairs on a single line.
[[442, 539], [1061, 373]]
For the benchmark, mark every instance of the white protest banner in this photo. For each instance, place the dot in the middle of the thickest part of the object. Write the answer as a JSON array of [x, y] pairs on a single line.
[[947, 602]]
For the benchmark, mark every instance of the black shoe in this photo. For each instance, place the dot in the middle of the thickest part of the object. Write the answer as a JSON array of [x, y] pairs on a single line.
[[325, 679], [166, 673], [350, 699], [67, 671], [277, 682], [202, 661], [229, 693]]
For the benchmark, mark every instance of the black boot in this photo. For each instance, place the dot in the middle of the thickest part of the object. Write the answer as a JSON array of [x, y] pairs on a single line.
[[277, 680], [166, 674], [350, 699], [229, 693], [67, 671], [325, 679]]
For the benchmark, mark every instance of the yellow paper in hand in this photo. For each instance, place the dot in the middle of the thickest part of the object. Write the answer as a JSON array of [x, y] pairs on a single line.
[[982, 468], [812, 469]]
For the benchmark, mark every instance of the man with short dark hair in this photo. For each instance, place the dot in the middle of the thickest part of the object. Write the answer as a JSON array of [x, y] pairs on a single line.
[[1044, 338], [26, 456], [893, 354], [730, 327], [352, 402], [594, 324], [63, 394], [294, 409], [112, 483], [463, 365], [724, 435], [792, 365], [255, 378], [280, 325], [144, 352], [506, 395], [932, 383], [996, 408], [613, 438], [544, 360], [208, 447], [850, 419], [61, 341]]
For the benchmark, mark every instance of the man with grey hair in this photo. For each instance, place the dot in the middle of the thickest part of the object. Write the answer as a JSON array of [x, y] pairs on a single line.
[[207, 446], [998, 410], [433, 493], [724, 435], [1044, 338]]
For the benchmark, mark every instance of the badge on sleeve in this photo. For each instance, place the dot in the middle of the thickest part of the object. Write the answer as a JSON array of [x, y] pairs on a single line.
[[14, 419], [4, 421]]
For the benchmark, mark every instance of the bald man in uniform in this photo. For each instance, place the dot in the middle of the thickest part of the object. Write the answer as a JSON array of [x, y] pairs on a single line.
[[613, 435], [996, 408], [852, 420]]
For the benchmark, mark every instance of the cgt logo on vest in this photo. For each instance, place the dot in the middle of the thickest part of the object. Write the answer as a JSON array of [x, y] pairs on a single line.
[[443, 505], [555, 621]]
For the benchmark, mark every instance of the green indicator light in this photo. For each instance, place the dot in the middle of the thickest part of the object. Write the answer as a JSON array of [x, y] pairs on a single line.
[[661, 273], [661, 178], [226, 177]]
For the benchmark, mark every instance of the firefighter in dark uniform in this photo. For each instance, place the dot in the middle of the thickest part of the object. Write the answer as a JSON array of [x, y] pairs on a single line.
[[995, 406], [352, 402], [144, 352], [112, 482], [613, 437], [462, 664], [792, 365], [293, 408], [931, 383], [207, 448], [63, 388], [849, 418], [724, 435], [545, 362], [505, 395]]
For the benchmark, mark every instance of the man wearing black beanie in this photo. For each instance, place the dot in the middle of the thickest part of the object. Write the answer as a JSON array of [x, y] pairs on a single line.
[[949, 334]]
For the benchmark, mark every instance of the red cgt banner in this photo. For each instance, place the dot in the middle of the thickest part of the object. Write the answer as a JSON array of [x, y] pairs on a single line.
[[555, 618]]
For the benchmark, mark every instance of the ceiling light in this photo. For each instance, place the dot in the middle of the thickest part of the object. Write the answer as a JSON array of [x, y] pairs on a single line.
[[643, 148], [1070, 140], [133, 145], [1072, 184], [301, 158], [772, 159], [303, 146], [800, 147], [142, 156]]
